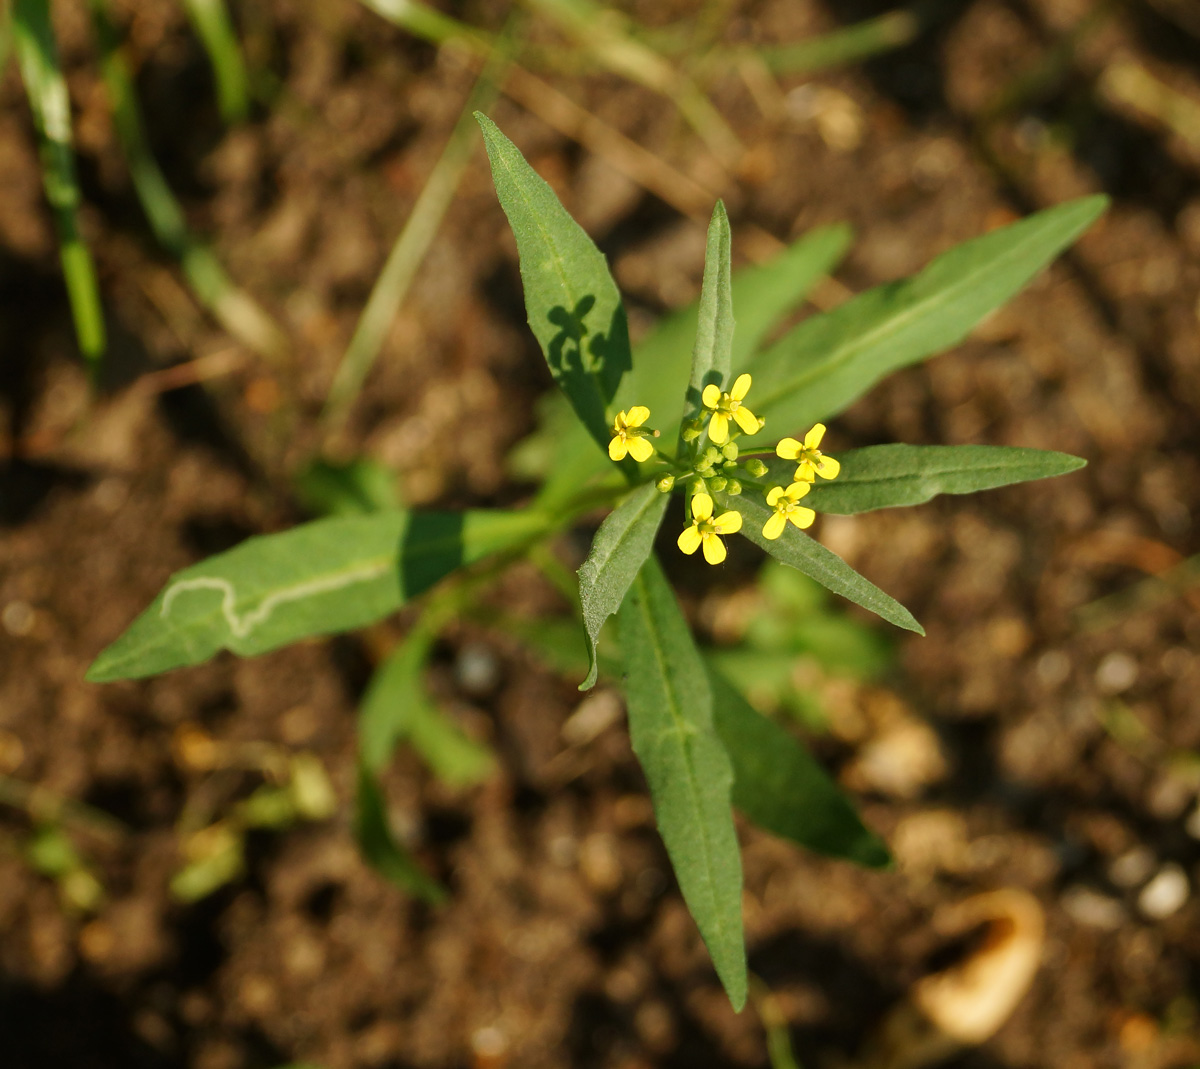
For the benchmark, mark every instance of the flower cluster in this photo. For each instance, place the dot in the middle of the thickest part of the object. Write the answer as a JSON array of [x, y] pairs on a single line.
[[715, 467]]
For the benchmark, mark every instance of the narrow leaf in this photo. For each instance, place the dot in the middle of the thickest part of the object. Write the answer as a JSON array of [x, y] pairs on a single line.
[[712, 352], [686, 767], [620, 548], [780, 786], [574, 309], [316, 579], [807, 555], [210, 19], [46, 88], [829, 361], [884, 476], [379, 845], [357, 487], [396, 708]]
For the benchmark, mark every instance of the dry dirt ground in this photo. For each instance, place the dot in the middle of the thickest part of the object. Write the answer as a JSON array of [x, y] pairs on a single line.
[[1061, 736]]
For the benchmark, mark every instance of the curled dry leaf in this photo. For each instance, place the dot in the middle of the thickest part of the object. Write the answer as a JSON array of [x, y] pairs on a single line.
[[967, 1003]]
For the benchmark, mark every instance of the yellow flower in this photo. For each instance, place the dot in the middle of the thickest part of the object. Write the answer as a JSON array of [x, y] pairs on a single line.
[[629, 437], [784, 503], [707, 531], [812, 461], [724, 405]]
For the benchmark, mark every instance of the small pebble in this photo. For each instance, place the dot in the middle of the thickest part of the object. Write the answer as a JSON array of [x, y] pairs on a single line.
[[477, 670], [1164, 894], [1053, 668], [17, 618], [1093, 909], [1117, 672], [1132, 868]]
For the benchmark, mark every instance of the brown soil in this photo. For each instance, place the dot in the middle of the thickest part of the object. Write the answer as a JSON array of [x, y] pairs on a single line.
[[1067, 739]]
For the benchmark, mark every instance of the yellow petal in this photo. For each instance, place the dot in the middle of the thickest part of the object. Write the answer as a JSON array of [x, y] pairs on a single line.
[[714, 549], [788, 448], [711, 396], [746, 419], [802, 517], [797, 490], [828, 468], [813, 438], [741, 387], [718, 428], [773, 528], [805, 472], [640, 449], [774, 494], [701, 507], [637, 416], [617, 448], [689, 540], [728, 522]]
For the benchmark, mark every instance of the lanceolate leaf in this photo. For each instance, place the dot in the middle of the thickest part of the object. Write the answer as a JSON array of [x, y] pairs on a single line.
[[574, 309], [620, 548], [713, 348], [780, 786], [316, 579], [690, 778], [827, 362], [795, 548], [884, 476]]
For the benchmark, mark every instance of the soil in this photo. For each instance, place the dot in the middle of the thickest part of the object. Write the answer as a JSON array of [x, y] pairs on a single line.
[[1065, 729]]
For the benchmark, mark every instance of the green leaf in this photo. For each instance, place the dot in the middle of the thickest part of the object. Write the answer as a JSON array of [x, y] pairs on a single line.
[[795, 548], [356, 488], [379, 845], [620, 548], [884, 476], [712, 352], [211, 21], [574, 309], [829, 361], [46, 88], [316, 579], [690, 778], [396, 708], [780, 786]]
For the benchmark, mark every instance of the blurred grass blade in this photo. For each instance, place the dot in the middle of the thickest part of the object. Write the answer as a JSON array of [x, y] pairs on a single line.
[[431, 25], [51, 107], [604, 34], [686, 766], [409, 251], [231, 307], [379, 845], [573, 305], [318, 578], [885, 476], [620, 548], [807, 555], [356, 488], [213, 26], [712, 351], [780, 786], [397, 709], [829, 361], [850, 44]]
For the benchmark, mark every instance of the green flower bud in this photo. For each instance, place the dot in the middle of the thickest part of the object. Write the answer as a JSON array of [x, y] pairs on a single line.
[[690, 433], [719, 483], [729, 465], [712, 454], [730, 451], [733, 488], [756, 468], [666, 484]]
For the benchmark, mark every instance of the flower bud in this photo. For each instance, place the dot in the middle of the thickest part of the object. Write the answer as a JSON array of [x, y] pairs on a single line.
[[730, 451], [729, 465], [733, 488], [666, 484], [712, 454], [756, 468], [718, 484], [690, 433]]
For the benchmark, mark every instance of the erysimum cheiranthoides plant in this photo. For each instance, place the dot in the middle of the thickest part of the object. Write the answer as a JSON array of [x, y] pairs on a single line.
[[648, 426]]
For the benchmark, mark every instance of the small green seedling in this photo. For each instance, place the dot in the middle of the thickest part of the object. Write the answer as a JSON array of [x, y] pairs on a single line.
[[660, 425]]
